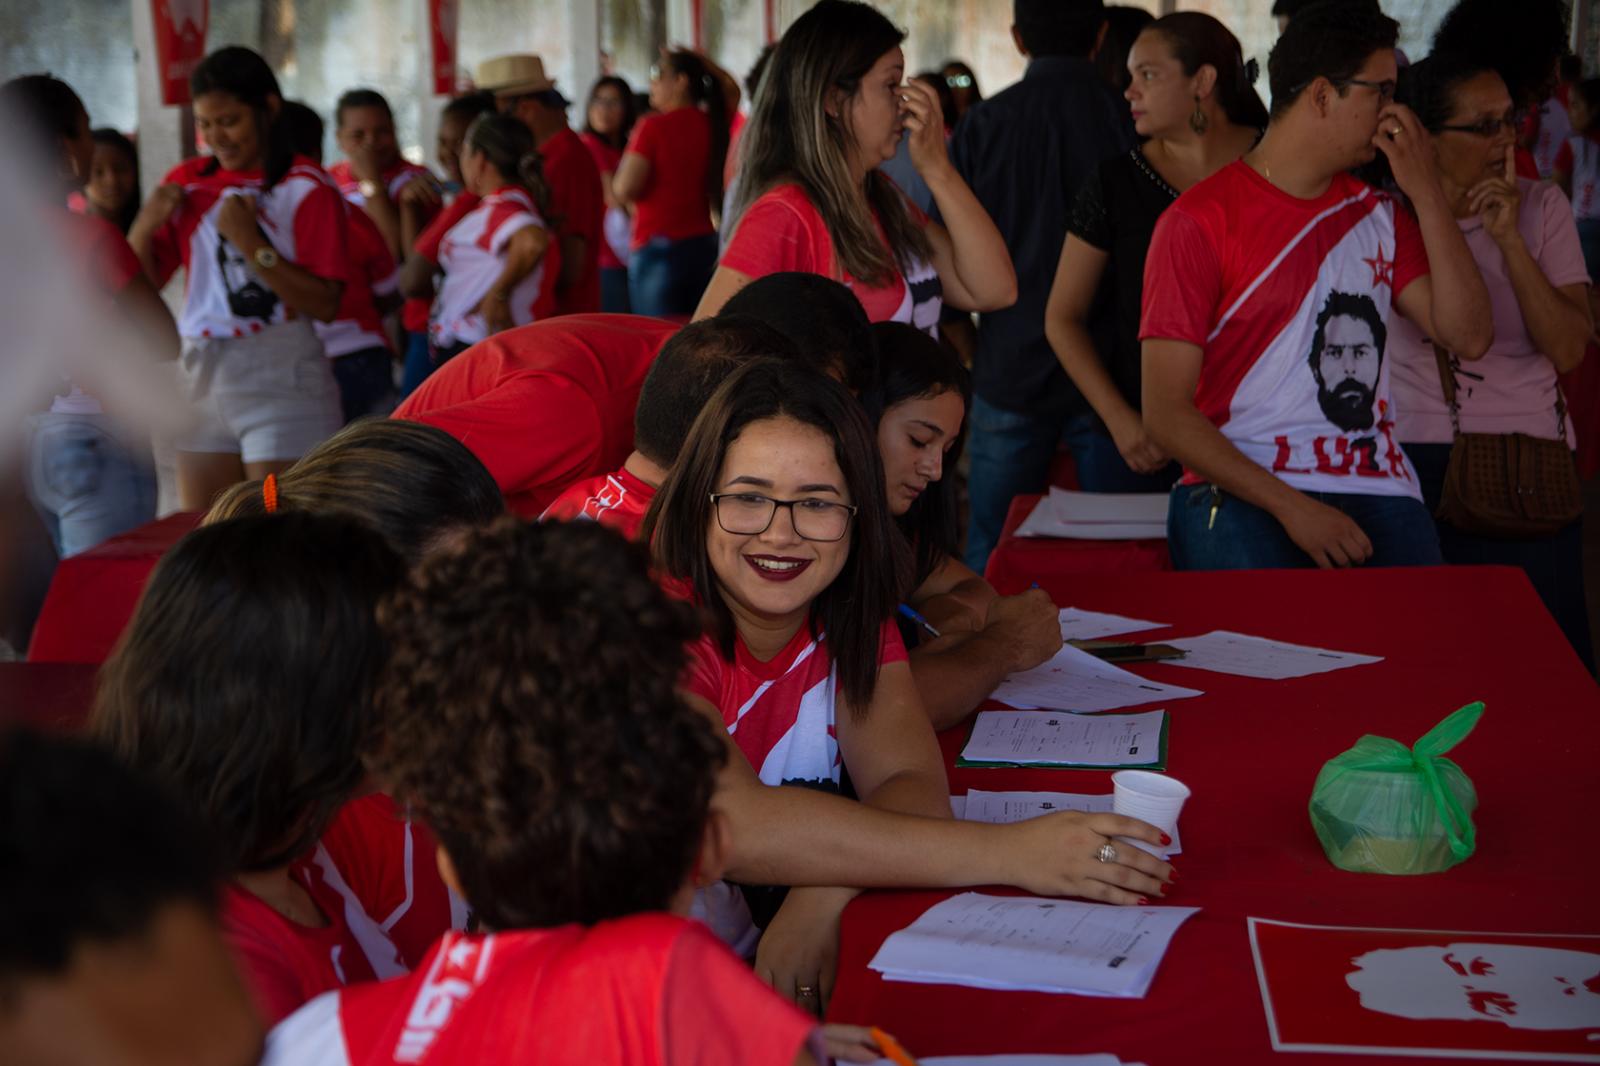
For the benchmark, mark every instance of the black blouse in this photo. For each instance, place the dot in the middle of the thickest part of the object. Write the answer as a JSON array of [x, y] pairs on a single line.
[[1115, 211]]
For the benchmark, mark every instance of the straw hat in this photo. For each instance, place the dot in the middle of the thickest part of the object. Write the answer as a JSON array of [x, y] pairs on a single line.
[[513, 75]]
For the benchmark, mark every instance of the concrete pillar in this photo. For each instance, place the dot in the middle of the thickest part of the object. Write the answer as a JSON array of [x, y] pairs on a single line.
[[583, 28], [428, 104], [166, 134]]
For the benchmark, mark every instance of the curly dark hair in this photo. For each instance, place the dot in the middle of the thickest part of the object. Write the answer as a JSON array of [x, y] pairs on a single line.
[[243, 683], [1523, 42], [530, 713]]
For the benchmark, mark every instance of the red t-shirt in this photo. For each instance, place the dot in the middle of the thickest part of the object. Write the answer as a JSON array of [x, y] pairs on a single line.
[[414, 314], [781, 713], [618, 501], [783, 230], [301, 216], [285, 964], [605, 159], [1282, 294], [428, 241], [673, 204], [646, 990], [373, 274], [101, 250], [389, 864], [544, 405], [579, 208]]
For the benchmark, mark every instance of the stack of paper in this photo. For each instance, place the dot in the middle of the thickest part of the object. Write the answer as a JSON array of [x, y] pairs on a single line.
[[980, 806], [1050, 738], [1078, 624], [1074, 680], [1225, 652], [1097, 516], [1031, 944]]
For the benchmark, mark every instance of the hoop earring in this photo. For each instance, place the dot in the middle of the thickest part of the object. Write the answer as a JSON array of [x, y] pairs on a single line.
[[1198, 121]]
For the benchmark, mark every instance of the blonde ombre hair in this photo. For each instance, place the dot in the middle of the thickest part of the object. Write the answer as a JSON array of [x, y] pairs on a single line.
[[791, 138]]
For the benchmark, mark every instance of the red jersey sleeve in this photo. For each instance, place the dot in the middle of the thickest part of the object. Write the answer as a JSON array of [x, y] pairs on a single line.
[[319, 234], [891, 645], [166, 247], [1182, 281], [715, 1009], [1564, 157], [428, 240], [774, 236], [1410, 255], [703, 676], [104, 252], [645, 140]]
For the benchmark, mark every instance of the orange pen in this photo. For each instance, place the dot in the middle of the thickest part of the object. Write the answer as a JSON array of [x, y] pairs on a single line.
[[891, 1048]]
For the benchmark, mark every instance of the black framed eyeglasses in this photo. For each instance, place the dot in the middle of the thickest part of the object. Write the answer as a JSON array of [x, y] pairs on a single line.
[[1487, 127], [749, 514], [1385, 89]]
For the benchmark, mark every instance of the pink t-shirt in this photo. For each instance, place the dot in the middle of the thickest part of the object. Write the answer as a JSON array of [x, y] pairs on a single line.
[[1512, 389]]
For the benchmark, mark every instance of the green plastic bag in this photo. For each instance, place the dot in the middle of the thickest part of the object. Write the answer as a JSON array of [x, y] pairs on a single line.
[[1384, 808]]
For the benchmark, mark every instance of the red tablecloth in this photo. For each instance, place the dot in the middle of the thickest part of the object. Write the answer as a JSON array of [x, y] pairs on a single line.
[[1250, 750], [1018, 562], [54, 697], [92, 595]]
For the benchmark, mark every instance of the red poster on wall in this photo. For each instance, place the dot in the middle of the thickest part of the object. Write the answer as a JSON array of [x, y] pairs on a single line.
[[180, 31], [443, 16]]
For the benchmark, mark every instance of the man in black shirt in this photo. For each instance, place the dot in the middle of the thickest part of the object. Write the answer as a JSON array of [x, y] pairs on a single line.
[[1024, 152]]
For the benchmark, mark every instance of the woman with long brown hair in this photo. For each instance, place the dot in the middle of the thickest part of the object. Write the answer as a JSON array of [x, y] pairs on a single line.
[[832, 107]]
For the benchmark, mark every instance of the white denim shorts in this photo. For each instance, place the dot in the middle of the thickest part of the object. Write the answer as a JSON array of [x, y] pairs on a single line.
[[266, 397]]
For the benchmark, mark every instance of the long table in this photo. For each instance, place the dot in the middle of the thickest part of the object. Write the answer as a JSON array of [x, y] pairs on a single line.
[[1017, 562], [1250, 751]]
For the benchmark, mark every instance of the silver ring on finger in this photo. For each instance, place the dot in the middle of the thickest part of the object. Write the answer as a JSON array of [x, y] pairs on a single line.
[[1107, 853], [805, 992]]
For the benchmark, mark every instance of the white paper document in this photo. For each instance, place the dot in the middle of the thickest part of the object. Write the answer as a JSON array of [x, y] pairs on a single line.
[[1074, 680], [1051, 738], [1000, 807], [1032, 944], [1078, 624], [1225, 652], [1097, 515]]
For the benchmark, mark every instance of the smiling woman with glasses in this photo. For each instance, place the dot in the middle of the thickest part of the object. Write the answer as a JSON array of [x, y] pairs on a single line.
[[775, 521]]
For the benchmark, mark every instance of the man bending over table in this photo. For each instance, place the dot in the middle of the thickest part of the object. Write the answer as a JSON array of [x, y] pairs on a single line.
[[1267, 290]]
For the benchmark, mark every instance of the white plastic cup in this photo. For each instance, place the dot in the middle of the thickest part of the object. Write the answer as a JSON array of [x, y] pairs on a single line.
[[1149, 797]]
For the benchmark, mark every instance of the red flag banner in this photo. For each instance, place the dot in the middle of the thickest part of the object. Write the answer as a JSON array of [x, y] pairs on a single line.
[[443, 17], [180, 32]]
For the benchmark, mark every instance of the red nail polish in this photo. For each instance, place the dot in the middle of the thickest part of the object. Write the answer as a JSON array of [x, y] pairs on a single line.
[[1163, 889], [1172, 875], [1143, 902], [1165, 840]]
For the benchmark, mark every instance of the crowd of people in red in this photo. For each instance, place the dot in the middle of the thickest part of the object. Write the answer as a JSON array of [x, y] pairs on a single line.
[[537, 686]]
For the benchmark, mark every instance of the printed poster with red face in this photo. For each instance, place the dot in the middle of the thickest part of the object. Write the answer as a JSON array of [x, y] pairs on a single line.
[[1417, 992]]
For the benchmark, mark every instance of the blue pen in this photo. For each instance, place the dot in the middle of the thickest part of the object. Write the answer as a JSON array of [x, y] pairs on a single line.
[[910, 613]]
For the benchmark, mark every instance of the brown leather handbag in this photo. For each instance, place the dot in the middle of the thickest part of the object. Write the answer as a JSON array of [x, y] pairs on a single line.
[[1507, 485]]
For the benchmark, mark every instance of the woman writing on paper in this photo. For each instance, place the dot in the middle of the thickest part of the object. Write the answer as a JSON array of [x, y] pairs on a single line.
[[774, 520]]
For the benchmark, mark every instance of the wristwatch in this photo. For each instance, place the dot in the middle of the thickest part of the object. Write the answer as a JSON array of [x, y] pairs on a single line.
[[369, 189], [266, 257]]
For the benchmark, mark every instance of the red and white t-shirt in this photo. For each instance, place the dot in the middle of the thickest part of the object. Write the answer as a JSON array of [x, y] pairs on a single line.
[[1289, 301], [545, 405], [472, 256], [285, 964], [646, 990], [301, 216], [1580, 158], [673, 204], [414, 315], [1555, 127], [373, 274], [618, 501], [781, 713], [782, 231], [388, 864]]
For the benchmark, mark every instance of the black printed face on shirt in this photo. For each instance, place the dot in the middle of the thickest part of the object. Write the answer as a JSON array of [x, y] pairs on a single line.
[[1346, 358]]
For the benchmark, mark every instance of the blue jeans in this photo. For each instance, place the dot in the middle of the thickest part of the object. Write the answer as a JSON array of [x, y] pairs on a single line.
[[1554, 564], [614, 291], [366, 383], [1244, 537], [667, 277], [1010, 454], [86, 482], [419, 363], [1100, 465]]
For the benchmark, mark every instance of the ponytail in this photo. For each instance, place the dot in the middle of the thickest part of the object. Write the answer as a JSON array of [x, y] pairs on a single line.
[[705, 89], [507, 145]]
